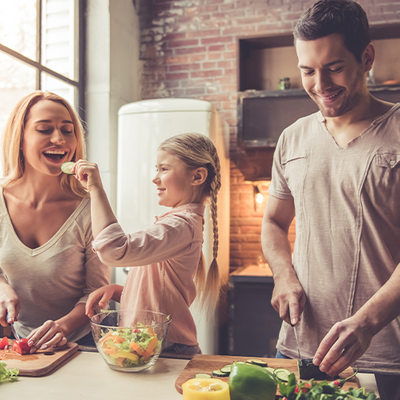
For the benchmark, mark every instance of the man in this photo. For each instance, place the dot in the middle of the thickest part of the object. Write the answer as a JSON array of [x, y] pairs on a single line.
[[338, 172]]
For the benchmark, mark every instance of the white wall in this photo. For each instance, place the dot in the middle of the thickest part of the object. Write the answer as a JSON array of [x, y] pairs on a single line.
[[112, 76]]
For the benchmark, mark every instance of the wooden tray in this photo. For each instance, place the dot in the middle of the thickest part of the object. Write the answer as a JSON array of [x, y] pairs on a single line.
[[205, 364], [40, 363]]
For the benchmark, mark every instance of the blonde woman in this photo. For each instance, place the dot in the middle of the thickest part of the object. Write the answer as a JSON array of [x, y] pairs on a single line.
[[170, 271], [47, 266]]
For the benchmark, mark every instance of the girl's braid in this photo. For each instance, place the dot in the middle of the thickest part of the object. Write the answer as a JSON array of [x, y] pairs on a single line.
[[215, 186]]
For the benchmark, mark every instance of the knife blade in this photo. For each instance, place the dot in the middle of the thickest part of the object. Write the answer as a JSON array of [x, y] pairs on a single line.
[[14, 331], [297, 340]]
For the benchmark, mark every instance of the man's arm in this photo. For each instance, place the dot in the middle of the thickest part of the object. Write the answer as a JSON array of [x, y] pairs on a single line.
[[288, 297], [349, 339]]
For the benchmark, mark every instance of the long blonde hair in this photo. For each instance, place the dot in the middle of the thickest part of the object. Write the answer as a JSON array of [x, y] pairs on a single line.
[[13, 134], [197, 150]]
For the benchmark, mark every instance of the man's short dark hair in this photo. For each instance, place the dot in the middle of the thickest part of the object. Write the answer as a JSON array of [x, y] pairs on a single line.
[[344, 17]]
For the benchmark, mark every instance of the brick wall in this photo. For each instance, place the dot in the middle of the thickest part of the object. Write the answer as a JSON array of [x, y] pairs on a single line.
[[188, 48]]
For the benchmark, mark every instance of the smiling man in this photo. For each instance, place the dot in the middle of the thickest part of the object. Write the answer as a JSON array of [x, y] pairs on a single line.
[[338, 172]]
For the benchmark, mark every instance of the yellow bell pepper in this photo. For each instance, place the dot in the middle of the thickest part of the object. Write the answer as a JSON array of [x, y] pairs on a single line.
[[205, 389], [127, 354]]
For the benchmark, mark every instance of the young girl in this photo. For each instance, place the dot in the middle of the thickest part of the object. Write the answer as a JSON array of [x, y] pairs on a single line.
[[47, 266], [169, 254]]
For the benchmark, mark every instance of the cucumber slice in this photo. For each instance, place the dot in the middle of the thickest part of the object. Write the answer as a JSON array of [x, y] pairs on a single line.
[[282, 374], [256, 361], [271, 370], [227, 369], [219, 373], [68, 167], [207, 376]]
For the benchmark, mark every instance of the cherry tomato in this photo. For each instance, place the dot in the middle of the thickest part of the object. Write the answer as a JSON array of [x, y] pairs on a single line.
[[4, 343], [21, 346]]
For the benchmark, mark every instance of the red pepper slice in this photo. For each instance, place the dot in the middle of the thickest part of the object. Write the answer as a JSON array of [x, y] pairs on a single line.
[[4, 343], [21, 346]]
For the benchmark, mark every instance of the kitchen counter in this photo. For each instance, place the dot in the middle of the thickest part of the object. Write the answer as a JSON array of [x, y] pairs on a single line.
[[86, 376]]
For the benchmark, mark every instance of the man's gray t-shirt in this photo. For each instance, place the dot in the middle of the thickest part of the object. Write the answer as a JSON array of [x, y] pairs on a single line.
[[347, 203]]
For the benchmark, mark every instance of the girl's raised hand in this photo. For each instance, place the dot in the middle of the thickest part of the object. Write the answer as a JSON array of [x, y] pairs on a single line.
[[88, 174], [101, 297]]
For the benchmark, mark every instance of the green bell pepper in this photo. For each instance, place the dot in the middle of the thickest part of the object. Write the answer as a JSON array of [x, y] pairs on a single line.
[[251, 382]]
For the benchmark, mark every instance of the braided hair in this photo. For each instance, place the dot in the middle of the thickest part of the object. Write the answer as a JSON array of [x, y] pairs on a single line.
[[197, 150]]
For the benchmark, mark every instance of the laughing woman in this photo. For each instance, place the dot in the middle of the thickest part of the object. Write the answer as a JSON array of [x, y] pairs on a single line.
[[47, 266]]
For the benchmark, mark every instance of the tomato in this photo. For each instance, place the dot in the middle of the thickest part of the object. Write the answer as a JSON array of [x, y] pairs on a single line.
[[4, 343], [21, 346]]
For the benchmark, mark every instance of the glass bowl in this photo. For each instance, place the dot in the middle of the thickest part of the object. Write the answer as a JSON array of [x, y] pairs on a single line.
[[130, 342]]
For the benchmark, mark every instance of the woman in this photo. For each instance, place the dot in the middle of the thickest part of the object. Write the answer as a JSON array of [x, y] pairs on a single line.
[[47, 266]]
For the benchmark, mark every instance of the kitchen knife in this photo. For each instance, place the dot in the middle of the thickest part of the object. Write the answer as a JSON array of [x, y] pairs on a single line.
[[14, 331], [297, 340]]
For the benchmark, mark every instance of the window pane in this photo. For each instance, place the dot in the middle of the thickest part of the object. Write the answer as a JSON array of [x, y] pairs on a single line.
[[16, 80], [58, 44], [18, 26], [68, 92]]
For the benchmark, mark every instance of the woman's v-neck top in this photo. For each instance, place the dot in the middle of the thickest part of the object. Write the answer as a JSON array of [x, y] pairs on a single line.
[[51, 279]]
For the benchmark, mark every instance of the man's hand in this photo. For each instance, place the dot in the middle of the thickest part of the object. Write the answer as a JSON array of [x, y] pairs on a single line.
[[345, 343], [288, 299]]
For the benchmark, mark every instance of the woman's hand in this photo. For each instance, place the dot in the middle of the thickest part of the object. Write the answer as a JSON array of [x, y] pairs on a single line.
[[101, 297], [50, 334], [88, 174], [9, 304]]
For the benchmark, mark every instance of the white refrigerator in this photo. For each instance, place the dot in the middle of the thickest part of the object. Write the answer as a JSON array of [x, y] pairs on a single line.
[[142, 126]]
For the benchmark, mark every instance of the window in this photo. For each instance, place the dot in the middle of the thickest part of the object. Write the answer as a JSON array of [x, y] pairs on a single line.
[[41, 47]]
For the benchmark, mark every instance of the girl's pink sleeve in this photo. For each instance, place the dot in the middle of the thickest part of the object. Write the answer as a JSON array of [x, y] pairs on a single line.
[[160, 242]]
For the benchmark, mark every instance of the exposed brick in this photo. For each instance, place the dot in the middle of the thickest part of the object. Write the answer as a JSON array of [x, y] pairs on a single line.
[[217, 39], [240, 30], [227, 7], [184, 67], [177, 76], [198, 57], [214, 56], [202, 33], [182, 43], [216, 48], [206, 74], [177, 60], [191, 50], [195, 91], [176, 36], [208, 9], [209, 65], [244, 238]]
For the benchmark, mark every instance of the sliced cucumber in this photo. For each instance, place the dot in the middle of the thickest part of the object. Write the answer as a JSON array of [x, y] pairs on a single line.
[[219, 373], [256, 361], [227, 369], [282, 374], [207, 376], [68, 168], [271, 370]]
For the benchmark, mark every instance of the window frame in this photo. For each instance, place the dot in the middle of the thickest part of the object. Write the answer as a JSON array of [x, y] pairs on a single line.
[[79, 38]]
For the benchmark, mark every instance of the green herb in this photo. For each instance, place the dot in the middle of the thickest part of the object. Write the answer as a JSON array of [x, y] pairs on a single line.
[[312, 390], [6, 374]]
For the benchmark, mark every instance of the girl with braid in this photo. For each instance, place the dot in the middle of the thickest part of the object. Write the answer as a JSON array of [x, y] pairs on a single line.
[[170, 271]]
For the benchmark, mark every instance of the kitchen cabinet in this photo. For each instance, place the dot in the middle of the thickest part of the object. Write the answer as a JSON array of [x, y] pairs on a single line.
[[264, 111], [253, 325]]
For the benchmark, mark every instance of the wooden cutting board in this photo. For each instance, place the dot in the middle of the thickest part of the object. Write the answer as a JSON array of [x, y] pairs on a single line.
[[205, 364], [40, 363]]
